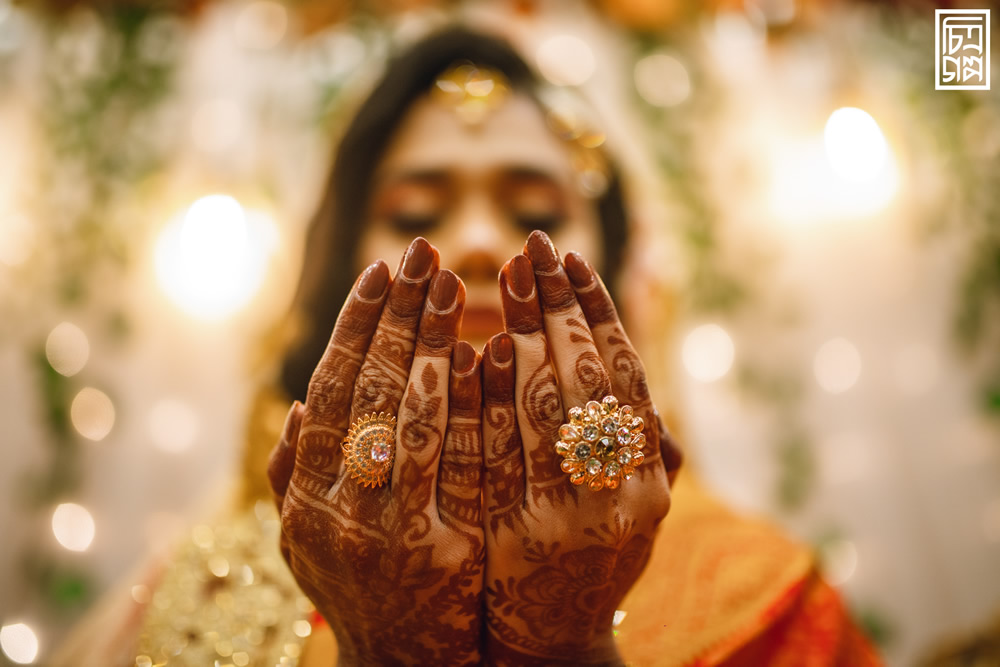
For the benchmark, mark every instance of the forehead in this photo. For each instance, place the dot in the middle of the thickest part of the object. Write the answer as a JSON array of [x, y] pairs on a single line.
[[433, 137]]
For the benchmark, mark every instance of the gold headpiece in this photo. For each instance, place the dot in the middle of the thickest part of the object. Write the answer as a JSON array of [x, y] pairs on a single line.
[[473, 92]]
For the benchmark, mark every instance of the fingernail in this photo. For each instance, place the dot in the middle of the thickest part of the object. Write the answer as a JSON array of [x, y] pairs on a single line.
[[374, 280], [463, 357], [578, 270], [501, 348], [521, 277], [418, 259], [542, 253], [444, 288]]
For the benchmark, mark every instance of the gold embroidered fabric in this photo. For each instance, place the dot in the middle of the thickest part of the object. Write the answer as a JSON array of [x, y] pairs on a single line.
[[227, 599]]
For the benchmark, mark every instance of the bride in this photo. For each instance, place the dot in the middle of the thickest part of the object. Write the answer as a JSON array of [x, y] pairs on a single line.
[[477, 472]]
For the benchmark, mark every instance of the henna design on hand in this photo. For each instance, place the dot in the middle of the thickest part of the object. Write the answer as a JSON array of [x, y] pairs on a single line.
[[420, 433], [398, 579], [505, 473], [384, 373], [502, 449], [328, 398], [568, 599], [555, 577], [629, 372], [461, 468], [543, 410]]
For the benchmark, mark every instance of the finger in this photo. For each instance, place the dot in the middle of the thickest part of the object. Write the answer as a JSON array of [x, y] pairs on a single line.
[[460, 473], [536, 394], [670, 451], [328, 400], [581, 373], [386, 368], [628, 376], [503, 456], [282, 460], [423, 413]]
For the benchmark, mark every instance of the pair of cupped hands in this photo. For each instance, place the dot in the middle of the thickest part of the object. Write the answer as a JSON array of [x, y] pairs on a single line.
[[478, 549]]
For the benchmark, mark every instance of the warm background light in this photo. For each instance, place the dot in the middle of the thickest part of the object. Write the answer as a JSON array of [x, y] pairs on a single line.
[[565, 60], [662, 80], [213, 260], [92, 413], [217, 125], [261, 25], [854, 145], [839, 560], [73, 526], [17, 239], [848, 173], [708, 352], [19, 643], [173, 425], [837, 365], [67, 349]]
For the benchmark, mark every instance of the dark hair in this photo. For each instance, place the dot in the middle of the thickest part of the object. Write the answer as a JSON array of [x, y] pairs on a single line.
[[329, 266]]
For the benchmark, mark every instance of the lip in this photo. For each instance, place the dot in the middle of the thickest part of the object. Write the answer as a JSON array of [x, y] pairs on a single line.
[[481, 322]]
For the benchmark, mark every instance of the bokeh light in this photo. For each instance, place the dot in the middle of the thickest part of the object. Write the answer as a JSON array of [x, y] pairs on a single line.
[[839, 561], [737, 37], [19, 643], [217, 125], [67, 349], [855, 146], [849, 172], [212, 260], [662, 80], [73, 526], [173, 425], [261, 25], [837, 365], [92, 413], [565, 60], [141, 594], [708, 352]]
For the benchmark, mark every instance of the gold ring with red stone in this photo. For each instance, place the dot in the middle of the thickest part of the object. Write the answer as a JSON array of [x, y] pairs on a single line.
[[370, 447]]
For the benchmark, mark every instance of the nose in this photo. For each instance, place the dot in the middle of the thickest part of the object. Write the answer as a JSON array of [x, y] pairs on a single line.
[[479, 240]]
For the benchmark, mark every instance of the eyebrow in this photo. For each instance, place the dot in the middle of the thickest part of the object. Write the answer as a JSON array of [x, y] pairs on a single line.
[[528, 173], [432, 176], [440, 176]]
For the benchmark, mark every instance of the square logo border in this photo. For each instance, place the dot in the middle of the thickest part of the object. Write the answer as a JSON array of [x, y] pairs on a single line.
[[937, 49]]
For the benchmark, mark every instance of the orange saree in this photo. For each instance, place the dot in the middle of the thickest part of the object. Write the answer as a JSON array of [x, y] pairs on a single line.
[[721, 589]]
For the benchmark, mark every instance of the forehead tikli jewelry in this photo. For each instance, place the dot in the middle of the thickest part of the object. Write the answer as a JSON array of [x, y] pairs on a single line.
[[471, 91], [370, 447], [601, 445]]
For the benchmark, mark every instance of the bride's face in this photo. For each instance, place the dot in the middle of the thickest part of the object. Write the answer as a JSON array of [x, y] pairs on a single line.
[[476, 192]]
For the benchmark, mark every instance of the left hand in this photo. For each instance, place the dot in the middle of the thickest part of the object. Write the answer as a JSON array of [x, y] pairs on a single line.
[[560, 558]]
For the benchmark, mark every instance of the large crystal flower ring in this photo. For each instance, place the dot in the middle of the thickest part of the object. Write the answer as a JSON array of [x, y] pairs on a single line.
[[602, 444], [370, 447]]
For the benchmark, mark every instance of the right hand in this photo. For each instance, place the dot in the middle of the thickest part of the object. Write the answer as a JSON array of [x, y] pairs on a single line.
[[395, 570]]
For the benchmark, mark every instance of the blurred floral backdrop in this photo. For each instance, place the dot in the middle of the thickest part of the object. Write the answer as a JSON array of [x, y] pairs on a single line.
[[823, 224]]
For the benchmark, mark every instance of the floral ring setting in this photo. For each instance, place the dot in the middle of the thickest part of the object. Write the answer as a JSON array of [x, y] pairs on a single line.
[[370, 448], [602, 444]]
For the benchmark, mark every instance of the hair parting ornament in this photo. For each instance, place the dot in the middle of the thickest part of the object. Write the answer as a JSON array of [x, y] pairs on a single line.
[[474, 92]]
